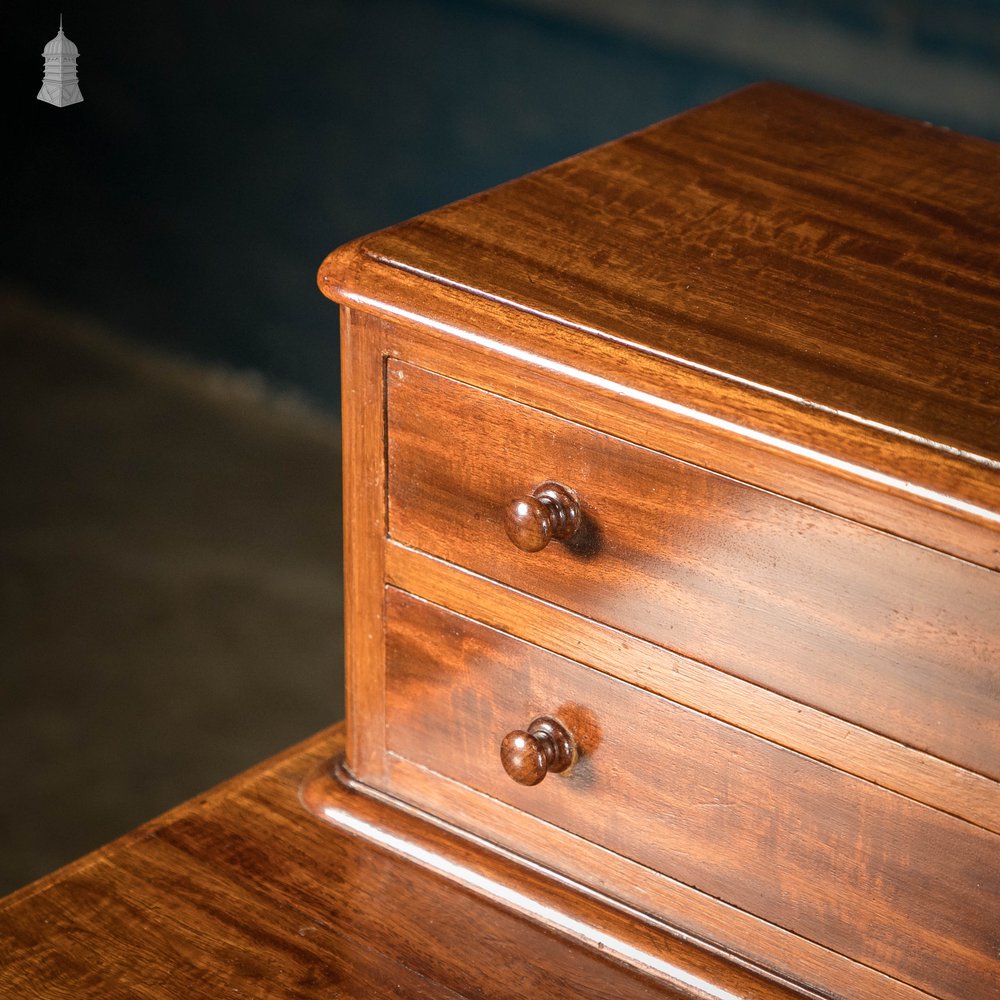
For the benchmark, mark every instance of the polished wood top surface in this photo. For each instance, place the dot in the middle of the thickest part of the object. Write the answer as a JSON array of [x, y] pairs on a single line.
[[823, 274], [243, 893]]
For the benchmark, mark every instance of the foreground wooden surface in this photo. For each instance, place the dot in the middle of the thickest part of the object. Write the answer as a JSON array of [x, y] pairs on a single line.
[[243, 893]]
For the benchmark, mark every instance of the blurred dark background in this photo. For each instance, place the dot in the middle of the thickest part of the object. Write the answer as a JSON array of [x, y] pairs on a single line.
[[170, 581]]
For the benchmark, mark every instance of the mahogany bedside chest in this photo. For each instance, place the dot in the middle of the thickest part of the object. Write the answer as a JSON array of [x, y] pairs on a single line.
[[673, 579], [672, 506]]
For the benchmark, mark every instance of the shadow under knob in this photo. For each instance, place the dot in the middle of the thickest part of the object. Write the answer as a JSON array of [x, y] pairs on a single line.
[[550, 511]]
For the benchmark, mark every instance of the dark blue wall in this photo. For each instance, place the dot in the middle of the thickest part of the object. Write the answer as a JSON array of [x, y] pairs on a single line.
[[222, 150]]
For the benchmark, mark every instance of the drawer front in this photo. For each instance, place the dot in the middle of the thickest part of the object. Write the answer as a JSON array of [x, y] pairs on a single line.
[[869, 874], [897, 638]]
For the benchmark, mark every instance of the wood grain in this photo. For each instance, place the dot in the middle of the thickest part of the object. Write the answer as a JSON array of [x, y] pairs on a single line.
[[759, 345], [362, 360], [544, 747], [889, 635], [679, 965], [699, 419], [858, 249], [708, 805], [822, 278], [857, 751], [549, 512], [728, 930], [242, 893]]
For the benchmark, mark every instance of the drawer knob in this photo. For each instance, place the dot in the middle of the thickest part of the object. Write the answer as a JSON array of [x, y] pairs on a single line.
[[551, 511], [528, 755]]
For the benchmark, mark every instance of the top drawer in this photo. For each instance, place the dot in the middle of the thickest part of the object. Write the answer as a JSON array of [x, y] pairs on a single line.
[[887, 634]]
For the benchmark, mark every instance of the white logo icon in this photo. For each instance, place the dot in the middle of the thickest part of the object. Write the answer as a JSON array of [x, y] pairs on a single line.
[[59, 86]]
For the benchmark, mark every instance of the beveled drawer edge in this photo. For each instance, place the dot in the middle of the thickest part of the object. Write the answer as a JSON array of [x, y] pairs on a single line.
[[573, 910], [689, 435], [400, 362], [682, 910], [895, 767]]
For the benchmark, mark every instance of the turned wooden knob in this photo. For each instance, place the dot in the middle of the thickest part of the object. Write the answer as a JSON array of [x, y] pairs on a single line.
[[551, 511], [528, 755]]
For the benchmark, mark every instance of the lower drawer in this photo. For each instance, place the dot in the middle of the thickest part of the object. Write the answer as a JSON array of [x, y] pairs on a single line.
[[862, 871]]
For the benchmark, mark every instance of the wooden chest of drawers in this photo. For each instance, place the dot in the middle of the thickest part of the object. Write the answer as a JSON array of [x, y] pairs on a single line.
[[672, 538]]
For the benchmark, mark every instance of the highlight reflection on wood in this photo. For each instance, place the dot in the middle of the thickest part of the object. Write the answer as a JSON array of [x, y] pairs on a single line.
[[754, 347], [242, 893], [528, 755], [886, 634], [672, 493], [549, 511]]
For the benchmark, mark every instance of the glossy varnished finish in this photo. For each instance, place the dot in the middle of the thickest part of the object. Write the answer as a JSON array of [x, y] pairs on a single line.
[[243, 893], [544, 747], [729, 814], [550, 511], [750, 647], [362, 348], [757, 348], [825, 738], [671, 964], [859, 250], [821, 278], [894, 637]]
